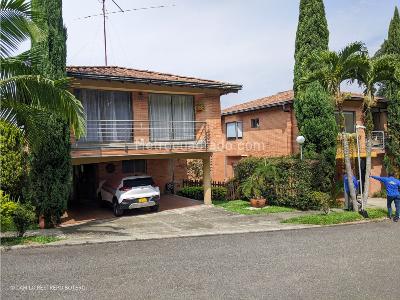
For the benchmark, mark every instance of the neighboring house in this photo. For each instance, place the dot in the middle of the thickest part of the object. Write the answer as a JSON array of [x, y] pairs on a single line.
[[267, 127], [142, 122]]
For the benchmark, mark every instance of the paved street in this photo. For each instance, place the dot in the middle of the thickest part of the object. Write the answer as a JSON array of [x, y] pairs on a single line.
[[341, 262]]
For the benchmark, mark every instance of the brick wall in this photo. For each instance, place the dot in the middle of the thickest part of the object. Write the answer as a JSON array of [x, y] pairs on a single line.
[[162, 171]]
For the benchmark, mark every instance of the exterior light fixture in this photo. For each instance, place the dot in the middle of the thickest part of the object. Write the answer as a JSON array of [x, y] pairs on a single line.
[[300, 140]]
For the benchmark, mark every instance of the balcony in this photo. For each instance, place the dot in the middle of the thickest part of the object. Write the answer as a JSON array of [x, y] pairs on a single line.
[[144, 135], [378, 140]]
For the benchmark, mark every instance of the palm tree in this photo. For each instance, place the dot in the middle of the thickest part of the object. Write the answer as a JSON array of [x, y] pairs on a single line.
[[374, 72], [25, 96], [331, 69]]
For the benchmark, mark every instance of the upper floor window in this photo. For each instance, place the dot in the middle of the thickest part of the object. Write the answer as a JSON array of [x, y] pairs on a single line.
[[108, 114], [255, 123], [234, 130], [171, 118], [349, 119]]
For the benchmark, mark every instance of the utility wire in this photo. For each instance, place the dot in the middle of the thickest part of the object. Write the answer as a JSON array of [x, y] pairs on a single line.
[[126, 10]]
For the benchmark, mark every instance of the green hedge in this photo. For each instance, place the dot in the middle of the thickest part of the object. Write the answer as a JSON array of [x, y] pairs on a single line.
[[12, 159], [293, 184], [196, 192]]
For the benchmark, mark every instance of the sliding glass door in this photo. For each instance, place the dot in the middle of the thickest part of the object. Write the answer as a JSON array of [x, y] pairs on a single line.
[[171, 118], [109, 115]]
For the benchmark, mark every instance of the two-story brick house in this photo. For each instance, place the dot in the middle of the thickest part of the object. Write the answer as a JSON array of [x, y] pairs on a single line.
[[268, 127], [144, 122]]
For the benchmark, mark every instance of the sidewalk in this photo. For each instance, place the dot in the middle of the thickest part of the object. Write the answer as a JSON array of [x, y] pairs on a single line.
[[200, 220], [192, 221]]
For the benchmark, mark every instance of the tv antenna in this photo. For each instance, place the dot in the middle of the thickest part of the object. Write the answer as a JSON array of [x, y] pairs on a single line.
[[104, 14]]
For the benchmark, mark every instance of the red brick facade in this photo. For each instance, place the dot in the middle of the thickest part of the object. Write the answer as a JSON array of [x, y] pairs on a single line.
[[277, 132]]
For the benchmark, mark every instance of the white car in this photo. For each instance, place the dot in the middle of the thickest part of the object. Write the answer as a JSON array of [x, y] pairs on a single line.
[[132, 192]]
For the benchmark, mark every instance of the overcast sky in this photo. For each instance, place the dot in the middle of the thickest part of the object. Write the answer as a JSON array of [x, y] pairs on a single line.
[[248, 42]]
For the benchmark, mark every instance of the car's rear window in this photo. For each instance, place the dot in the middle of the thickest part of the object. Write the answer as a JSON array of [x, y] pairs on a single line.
[[129, 183]]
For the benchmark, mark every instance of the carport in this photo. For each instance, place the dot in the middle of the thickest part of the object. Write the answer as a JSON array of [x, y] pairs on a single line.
[[163, 167], [83, 214]]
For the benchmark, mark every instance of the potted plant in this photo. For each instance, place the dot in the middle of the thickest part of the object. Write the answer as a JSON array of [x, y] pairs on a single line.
[[253, 187]]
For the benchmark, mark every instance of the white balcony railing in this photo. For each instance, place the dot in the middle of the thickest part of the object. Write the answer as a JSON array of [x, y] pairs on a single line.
[[378, 140], [144, 134]]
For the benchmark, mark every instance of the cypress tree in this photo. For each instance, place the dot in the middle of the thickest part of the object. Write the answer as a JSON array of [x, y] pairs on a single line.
[[313, 105], [312, 36], [50, 175], [392, 92]]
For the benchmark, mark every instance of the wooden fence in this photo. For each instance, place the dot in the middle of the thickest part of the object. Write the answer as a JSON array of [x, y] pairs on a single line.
[[190, 183], [232, 187]]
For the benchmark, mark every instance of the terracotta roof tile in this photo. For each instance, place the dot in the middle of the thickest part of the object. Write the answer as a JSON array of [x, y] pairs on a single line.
[[274, 100], [121, 73], [269, 101]]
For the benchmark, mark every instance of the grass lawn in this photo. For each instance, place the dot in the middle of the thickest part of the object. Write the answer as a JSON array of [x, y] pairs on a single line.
[[243, 207], [336, 217], [40, 239]]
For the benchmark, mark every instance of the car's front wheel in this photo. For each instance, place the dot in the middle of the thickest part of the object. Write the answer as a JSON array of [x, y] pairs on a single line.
[[154, 208], [118, 211]]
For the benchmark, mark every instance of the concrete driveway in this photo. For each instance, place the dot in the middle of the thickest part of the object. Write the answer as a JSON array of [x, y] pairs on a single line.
[[92, 212], [198, 220]]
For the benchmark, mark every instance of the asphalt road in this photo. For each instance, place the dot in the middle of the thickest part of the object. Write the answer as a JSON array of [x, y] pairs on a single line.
[[342, 262]]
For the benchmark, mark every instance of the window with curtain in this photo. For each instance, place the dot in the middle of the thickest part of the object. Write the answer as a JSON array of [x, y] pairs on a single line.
[[109, 115], [349, 119], [171, 118], [234, 130]]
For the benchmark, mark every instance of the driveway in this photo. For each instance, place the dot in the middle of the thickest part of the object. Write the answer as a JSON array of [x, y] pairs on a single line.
[[91, 212], [198, 220]]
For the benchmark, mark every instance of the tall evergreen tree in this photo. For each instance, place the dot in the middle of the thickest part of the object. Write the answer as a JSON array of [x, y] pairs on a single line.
[[312, 36], [392, 92], [50, 176], [313, 106]]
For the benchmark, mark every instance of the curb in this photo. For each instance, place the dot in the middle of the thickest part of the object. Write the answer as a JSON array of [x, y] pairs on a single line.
[[204, 234]]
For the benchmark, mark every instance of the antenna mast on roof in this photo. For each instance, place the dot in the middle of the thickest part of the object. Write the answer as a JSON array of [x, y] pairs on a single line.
[[104, 14]]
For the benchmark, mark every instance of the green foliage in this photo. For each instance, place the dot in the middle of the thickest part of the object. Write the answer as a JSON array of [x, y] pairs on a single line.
[[16, 25], [39, 239], [316, 120], [197, 193], [244, 208], [392, 92], [23, 217], [50, 177], [312, 36], [381, 194], [292, 184], [391, 44], [52, 49], [49, 182], [195, 169], [7, 209], [323, 200], [336, 217], [254, 186], [12, 159]]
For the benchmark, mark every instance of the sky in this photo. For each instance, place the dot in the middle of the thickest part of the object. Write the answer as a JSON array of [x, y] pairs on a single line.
[[247, 42]]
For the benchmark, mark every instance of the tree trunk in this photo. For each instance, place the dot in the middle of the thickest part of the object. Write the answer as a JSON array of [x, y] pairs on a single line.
[[349, 172], [367, 167], [369, 126]]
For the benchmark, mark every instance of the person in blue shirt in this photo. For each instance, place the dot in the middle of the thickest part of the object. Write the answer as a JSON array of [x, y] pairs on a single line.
[[392, 185], [348, 204]]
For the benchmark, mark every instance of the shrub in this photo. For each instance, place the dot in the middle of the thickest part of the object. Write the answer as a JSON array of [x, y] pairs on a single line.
[[197, 193], [292, 184], [24, 216], [50, 176], [321, 200], [7, 209], [12, 159]]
